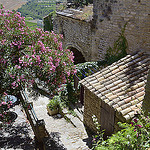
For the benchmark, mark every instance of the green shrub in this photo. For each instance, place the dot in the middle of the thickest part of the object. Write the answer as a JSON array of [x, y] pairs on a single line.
[[53, 103], [69, 95], [133, 136]]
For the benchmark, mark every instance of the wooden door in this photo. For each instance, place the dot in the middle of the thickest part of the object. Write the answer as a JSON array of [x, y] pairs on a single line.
[[107, 118]]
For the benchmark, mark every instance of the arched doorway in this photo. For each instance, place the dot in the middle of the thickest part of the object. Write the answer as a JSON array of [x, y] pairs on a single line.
[[79, 58]]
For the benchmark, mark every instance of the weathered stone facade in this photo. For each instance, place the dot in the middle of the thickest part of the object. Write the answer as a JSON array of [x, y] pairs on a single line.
[[92, 38], [111, 15], [77, 34], [146, 101], [95, 103]]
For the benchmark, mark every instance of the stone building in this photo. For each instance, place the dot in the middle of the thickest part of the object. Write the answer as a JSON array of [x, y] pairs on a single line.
[[116, 93], [90, 33], [77, 33]]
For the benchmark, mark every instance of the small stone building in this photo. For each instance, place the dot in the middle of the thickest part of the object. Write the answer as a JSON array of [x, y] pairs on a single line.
[[116, 93]]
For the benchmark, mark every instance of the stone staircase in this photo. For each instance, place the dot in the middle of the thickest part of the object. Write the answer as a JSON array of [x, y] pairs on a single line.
[[75, 116]]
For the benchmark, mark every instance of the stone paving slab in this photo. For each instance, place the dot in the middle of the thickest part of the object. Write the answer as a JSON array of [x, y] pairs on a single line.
[[71, 137]]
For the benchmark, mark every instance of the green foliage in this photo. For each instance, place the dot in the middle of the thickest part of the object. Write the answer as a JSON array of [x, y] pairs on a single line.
[[37, 10], [81, 3], [118, 50], [98, 138], [48, 21], [132, 136], [30, 24], [86, 68], [30, 58], [69, 95], [28, 18], [72, 112], [54, 103]]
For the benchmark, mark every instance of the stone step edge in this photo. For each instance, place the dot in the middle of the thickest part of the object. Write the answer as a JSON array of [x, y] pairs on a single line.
[[78, 113], [69, 117], [64, 114]]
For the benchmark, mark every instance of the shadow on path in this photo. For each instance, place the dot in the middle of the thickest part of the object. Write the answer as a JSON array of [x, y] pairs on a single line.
[[53, 142], [16, 137]]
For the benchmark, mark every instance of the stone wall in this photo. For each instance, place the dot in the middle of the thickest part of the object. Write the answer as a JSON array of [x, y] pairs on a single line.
[[111, 15], [77, 34], [91, 107], [104, 113], [93, 38], [146, 102]]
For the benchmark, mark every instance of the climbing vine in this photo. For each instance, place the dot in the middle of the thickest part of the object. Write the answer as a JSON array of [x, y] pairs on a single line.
[[48, 21], [118, 50]]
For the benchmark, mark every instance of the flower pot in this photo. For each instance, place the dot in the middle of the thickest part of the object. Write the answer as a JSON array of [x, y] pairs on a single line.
[[52, 112]]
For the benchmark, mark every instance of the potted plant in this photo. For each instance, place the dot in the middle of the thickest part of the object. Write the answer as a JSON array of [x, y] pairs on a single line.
[[53, 106]]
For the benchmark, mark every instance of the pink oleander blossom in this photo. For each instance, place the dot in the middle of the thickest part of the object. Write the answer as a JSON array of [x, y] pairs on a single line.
[[33, 55]]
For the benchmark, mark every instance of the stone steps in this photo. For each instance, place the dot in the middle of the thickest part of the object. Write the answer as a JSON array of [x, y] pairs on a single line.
[[75, 117]]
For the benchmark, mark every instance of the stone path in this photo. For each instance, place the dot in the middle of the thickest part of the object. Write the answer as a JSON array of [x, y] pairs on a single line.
[[73, 138], [64, 135]]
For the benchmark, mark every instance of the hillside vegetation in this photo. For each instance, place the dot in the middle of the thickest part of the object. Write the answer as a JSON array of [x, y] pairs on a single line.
[[12, 4], [37, 9]]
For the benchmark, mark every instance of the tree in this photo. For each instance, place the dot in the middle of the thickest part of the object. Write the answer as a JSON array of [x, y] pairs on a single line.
[[30, 58]]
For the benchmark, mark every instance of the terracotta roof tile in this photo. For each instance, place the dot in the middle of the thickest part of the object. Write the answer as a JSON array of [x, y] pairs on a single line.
[[122, 84]]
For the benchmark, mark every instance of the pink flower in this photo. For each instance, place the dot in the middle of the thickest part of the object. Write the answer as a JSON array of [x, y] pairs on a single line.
[[75, 71], [68, 73], [135, 120], [18, 67], [5, 93], [134, 130], [27, 56], [64, 63], [3, 103], [18, 80], [20, 61], [139, 126], [13, 84]]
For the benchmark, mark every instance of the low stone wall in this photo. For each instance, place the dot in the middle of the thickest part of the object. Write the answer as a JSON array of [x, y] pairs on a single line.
[[91, 107]]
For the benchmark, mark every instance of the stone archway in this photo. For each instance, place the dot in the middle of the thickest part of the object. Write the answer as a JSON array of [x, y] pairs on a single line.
[[79, 58]]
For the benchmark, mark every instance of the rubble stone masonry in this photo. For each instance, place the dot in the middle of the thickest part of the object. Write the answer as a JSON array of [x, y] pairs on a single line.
[[92, 38], [111, 15]]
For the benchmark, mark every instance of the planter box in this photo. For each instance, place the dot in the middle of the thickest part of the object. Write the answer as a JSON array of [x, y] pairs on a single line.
[[52, 112]]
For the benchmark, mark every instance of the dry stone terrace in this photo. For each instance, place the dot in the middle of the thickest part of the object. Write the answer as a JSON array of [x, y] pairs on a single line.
[[63, 135]]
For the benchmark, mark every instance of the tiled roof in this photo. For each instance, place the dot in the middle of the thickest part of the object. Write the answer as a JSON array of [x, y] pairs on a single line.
[[122, 84]]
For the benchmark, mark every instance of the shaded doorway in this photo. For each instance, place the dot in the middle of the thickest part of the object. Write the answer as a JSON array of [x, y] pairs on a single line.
[[78, 57]]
